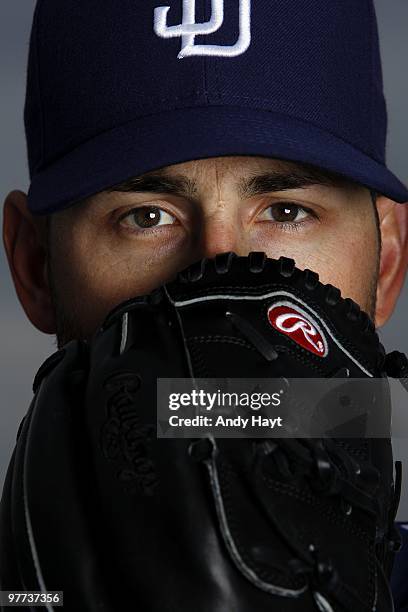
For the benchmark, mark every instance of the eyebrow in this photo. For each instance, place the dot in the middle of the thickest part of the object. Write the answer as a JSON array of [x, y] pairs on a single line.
[[270, 182], [178, 185], [302, 176]]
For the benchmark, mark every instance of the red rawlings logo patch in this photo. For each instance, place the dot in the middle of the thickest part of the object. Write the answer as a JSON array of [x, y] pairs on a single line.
[[299, 327]]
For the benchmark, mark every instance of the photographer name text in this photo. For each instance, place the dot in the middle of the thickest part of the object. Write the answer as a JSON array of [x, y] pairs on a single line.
[[240, 422]]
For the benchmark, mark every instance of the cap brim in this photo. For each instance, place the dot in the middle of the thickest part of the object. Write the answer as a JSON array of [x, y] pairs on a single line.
[[187, 134]]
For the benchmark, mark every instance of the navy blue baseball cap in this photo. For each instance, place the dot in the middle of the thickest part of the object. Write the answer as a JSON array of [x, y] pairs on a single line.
[[118, 89]]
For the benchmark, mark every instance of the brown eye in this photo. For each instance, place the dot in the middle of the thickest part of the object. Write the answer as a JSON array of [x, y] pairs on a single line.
[[284, 212], [147, 217]]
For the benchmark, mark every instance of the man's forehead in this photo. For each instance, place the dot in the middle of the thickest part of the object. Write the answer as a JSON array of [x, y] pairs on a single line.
[[233, 163], [244, 172]]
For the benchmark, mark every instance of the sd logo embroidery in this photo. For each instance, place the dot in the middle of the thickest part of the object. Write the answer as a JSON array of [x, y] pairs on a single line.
[[188, 29]]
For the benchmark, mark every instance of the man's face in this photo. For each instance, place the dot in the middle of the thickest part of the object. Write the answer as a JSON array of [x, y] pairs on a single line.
[[127, 241]]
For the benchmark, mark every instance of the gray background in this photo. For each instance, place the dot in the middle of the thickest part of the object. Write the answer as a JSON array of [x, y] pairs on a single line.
[[22, 348]]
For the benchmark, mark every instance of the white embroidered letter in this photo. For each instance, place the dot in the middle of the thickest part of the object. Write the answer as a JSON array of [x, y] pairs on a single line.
[[189, 29]]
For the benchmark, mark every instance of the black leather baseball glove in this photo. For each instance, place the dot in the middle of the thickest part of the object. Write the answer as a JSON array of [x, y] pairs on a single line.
[[95, 505]]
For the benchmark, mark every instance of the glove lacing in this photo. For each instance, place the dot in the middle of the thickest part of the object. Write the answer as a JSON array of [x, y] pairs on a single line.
[[330, 471]]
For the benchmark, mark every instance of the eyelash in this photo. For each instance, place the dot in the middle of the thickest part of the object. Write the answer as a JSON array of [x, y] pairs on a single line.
[[282, 226], [287, 227], [141, 230], [292, 226]]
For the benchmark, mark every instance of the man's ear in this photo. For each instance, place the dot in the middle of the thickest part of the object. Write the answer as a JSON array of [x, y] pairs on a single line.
[[394, 256], [24, 239]]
